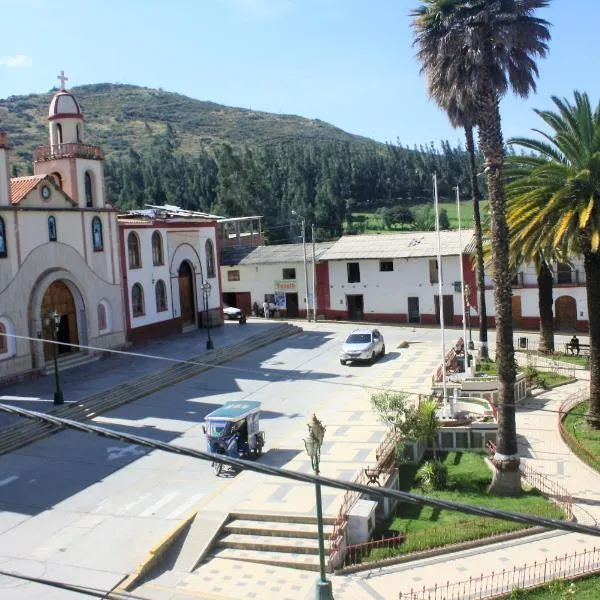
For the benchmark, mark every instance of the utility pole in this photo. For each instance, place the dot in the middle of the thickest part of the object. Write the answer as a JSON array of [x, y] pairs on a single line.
[[314, 273]]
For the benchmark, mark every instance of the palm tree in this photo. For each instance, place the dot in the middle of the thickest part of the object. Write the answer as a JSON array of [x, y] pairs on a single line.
[[461, 112], [557, 197], [488, 47]]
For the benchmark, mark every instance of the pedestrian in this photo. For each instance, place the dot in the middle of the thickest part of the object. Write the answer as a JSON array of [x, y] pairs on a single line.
[[266, 309], [574, 344]]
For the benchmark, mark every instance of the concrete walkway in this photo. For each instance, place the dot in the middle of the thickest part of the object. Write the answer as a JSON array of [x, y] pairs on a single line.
[[541, 448]]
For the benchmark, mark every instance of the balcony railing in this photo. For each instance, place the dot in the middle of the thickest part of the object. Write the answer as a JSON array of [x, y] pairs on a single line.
[[73, 150]]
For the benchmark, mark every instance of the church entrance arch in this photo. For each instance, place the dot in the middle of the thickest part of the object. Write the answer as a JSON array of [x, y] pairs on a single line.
[[565, 312], [187, 300], [58, 297]]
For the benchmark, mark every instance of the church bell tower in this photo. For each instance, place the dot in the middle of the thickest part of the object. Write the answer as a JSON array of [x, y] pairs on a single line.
[[76, 167]]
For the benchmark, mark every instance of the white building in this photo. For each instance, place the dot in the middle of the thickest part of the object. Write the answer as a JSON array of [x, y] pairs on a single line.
[[169, 257], [57, 249], [394, 277], [276, 274]]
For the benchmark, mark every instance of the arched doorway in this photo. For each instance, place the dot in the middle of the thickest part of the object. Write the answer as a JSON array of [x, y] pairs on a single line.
[[187, 302], [59, 298], [565, 313]]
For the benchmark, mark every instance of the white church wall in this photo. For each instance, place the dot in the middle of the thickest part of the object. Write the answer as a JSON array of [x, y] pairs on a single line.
[[33, 228], [9, 265], [96, 169]]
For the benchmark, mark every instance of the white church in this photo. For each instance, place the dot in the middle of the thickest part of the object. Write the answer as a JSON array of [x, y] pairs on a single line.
[[59, 250]]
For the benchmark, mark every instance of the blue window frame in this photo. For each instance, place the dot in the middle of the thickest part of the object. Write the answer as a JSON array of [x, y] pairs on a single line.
[[52, 229], [3, 252], [97, 239]]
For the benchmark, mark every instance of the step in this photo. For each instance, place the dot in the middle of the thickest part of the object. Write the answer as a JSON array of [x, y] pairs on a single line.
[[305, 562], [278, 529], [282, 518], [70, 362], [269, 543]]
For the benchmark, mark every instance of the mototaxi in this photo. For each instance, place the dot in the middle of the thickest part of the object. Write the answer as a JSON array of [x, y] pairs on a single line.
[[234, 430]]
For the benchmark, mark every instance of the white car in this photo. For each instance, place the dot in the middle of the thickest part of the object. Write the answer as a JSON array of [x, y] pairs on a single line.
[[231, 312], [363, 344]]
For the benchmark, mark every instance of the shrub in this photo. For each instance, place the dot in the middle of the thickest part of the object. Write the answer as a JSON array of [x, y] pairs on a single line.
[[432, 475]]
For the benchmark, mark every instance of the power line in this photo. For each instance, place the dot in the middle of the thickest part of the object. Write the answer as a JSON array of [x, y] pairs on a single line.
[[242, 464], [61, 585], [289, 373]]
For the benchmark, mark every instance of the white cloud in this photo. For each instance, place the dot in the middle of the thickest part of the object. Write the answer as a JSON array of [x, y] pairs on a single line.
[[18, 60]]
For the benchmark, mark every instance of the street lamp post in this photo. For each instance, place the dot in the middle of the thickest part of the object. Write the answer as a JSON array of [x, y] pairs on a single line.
[[316, 433], [468, 303], [303, 222], [206, 287], [53, 321]]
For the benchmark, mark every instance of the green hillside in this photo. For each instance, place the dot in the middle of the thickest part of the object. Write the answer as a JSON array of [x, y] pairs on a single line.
[[119, 117]]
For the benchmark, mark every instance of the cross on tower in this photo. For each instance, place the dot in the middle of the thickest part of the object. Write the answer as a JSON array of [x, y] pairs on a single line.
[[62, 78]]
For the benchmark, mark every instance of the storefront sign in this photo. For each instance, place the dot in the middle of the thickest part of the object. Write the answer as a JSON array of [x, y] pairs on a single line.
[[286, 285]]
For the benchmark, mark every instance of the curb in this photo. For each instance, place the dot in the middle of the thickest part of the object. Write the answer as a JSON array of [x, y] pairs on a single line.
[[154, 555]]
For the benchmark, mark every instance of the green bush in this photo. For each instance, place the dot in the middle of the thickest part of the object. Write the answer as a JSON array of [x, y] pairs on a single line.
[[432, 475]]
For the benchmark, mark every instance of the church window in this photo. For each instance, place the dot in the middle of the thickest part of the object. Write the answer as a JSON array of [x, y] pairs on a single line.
[[52, 229], [210, 259], [161, 296], [78, 132], [3, 251], [97, 239], [57, 179], [102, 323], [137, 300], [89, 196], [59, 135], [157, 249], [3, 339], [133, 251]]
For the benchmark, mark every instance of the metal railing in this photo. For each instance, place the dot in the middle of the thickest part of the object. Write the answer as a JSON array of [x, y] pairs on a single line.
[[548, 488], [499, 583], [358, 553]]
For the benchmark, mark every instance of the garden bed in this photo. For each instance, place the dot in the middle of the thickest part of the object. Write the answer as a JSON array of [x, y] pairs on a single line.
[[579, 435], [586, 588], [542, 379], [426, 527]]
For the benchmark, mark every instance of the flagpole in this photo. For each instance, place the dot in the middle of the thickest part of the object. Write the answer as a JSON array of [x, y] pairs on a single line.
[[462, 279], [440, 292]]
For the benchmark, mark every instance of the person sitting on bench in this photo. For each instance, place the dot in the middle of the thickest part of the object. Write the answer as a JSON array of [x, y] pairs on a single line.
[[574, 345]]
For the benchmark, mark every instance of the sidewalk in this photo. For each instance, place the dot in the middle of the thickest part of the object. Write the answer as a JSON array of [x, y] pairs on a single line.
[[114, 369]]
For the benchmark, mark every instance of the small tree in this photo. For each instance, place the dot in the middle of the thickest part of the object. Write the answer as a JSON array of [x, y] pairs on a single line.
[[395, 410], [427, 423]]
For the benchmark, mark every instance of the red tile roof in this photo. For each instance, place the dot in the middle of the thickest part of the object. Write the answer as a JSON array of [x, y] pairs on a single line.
[[21, 186]]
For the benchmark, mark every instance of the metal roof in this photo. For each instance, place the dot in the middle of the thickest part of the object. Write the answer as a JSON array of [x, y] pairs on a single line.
[[276, 254], [409, 244], [232, 411], [167, 211]]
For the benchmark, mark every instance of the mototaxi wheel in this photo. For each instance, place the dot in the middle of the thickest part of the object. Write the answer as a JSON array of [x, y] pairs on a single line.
[[217, 467]]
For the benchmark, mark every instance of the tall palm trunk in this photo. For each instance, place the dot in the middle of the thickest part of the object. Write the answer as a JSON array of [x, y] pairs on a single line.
[[506, 479], [591, 262], [545, 285], [480, 272]]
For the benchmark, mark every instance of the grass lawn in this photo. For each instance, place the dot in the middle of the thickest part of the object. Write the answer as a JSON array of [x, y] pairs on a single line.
[[543, 379], [582, 361], [468, 478], [576, 425], [580, 589]]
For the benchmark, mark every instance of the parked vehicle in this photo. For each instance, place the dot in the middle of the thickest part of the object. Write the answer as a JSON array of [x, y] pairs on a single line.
[[364, 344], [233, 430], [231, 312]]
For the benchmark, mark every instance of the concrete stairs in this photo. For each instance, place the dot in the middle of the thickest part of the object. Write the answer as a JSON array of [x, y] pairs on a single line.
[[278, 540], [70, 361], [26, 431]]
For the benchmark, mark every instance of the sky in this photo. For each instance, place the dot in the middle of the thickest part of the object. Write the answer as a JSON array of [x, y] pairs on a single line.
[[348, 62]]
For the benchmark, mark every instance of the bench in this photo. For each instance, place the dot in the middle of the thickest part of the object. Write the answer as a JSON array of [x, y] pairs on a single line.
[[459, 348], [491, 449], [583, 350]]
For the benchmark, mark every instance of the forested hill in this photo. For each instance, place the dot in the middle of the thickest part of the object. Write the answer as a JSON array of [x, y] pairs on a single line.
[[166, 148]]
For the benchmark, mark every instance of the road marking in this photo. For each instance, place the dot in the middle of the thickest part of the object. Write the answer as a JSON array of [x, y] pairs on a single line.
[[141, 499], [185, 506], [9, 480], [162, 502], [133, 450]]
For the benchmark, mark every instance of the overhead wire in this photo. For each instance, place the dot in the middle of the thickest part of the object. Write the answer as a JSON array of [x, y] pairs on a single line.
[[284, 374], [264, 469]]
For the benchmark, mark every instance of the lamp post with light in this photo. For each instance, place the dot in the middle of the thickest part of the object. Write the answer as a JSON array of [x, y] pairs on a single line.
[[53, 322], [303, 222], [316, 433], [206, 287]]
